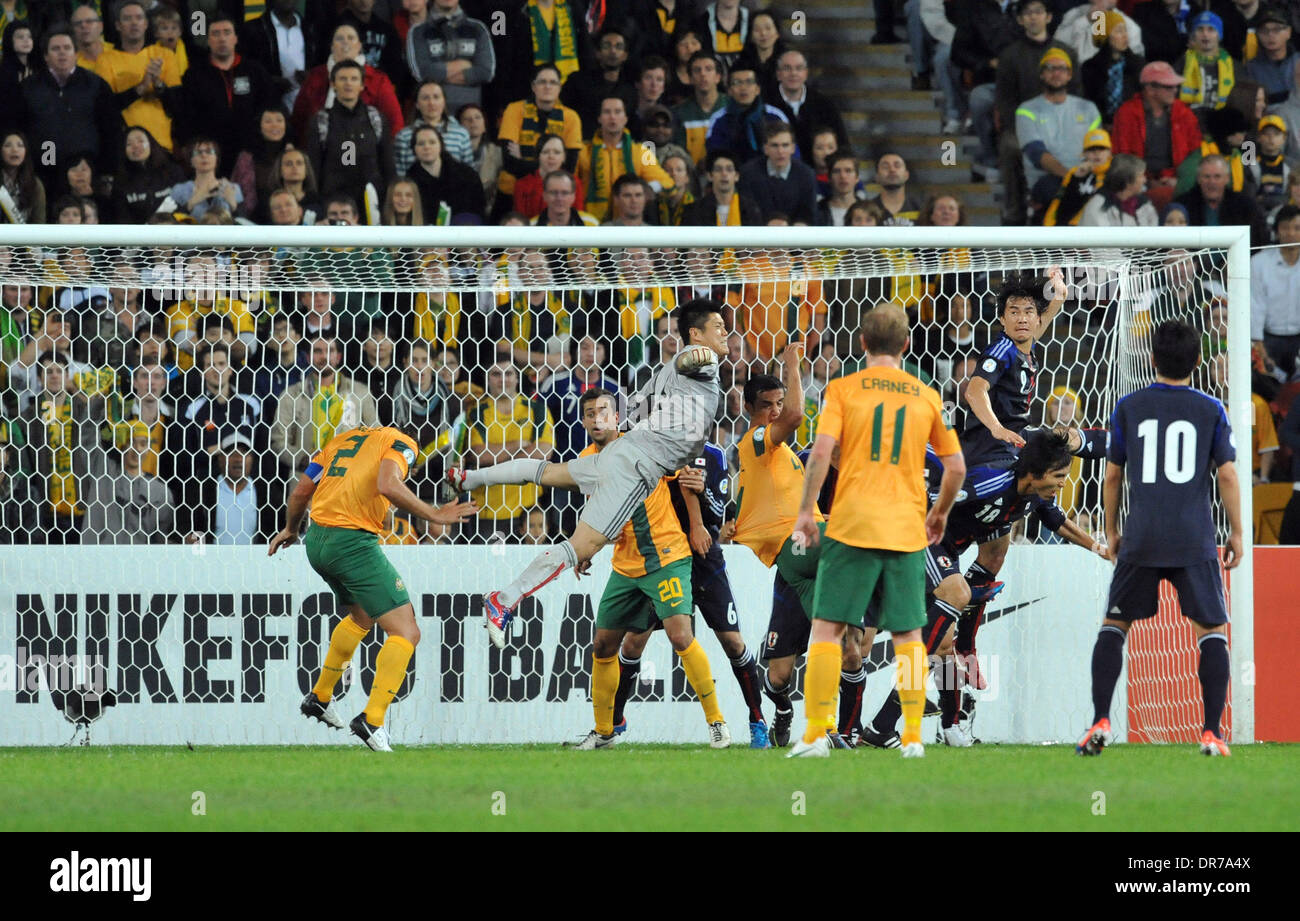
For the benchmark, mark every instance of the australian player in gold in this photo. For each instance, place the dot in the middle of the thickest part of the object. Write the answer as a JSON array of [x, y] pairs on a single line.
[[881, 418], [651, 580], [349, 485]]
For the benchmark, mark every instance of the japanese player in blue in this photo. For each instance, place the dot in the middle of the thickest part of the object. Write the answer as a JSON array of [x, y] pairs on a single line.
[[991, 500], [700, 495], [1168, 441]]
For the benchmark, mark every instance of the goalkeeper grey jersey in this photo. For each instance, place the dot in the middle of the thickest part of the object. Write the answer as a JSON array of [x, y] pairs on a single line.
[[673, 415]]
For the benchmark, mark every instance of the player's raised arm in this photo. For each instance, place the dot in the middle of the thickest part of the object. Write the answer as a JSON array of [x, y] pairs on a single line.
[[792, 410], [1056, 283], [299, 499], [391, 486], [1230, 493]]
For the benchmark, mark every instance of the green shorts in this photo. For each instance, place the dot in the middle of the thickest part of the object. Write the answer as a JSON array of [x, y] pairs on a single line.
[[352, 564], [799, 568], [848, 577], [633, 604]]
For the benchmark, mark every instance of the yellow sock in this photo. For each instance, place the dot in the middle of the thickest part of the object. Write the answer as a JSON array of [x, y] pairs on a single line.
[[604, 685], [390, 669], [912, 667], [343, 643], [821, 683], [696, 664]]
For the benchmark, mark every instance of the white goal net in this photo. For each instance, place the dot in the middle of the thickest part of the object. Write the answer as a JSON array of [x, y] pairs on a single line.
[[162, 389]]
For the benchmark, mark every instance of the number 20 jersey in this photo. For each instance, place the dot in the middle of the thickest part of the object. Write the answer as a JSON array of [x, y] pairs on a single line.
[[1170, 440]]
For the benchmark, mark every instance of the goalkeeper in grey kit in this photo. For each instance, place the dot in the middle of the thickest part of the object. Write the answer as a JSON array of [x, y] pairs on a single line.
[[682, 400]]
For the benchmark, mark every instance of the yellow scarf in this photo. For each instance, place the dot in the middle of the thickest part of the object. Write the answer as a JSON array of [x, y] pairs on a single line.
[[556, 44], [522, 324], [437, 322], [671, 215], [602, 183], [60, 435], [1193, 93], [326, 411]]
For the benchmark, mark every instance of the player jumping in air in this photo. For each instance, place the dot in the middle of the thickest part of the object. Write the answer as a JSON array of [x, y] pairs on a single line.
[[349, 484], [651, 582], [1168, 440], [769, 488], [998, 397], [990, 501], [682, 400], [881, 417]]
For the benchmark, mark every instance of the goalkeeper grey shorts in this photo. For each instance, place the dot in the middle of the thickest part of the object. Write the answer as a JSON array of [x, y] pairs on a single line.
[[615, 481]]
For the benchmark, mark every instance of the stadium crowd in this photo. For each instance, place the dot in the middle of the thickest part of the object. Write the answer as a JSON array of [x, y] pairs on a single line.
[[175, 401]]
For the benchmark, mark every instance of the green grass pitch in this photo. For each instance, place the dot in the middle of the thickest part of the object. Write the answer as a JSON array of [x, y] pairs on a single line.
[[647, 788]]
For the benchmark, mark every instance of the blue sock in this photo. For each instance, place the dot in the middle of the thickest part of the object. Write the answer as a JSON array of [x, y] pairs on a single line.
[[1107, 663], [1213, 672]]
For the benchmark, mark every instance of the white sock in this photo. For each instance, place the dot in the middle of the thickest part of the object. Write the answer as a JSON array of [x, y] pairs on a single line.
[[508, 473], [545, 566]]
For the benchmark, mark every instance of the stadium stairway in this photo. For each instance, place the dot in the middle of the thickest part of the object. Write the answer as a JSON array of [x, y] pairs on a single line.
[[864, 78]]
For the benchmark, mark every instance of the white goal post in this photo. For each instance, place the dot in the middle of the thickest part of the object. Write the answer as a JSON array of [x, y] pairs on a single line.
[[228, 667]]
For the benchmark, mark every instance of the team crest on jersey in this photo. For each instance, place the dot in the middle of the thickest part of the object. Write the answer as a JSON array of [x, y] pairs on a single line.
[[990, 365], [944, 562], [400, 586], [722, 487], [760, 433], [772, 638]]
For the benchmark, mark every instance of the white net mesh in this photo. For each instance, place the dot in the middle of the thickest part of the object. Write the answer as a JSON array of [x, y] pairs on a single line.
[[171, 396]]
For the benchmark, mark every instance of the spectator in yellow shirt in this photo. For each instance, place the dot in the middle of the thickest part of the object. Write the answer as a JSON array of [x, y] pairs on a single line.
[[611, 153], [148, 70]]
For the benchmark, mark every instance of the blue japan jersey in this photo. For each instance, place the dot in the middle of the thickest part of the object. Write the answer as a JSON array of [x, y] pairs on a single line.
[[716, 495], [1011, 375], [987, 504], [1170, 440]]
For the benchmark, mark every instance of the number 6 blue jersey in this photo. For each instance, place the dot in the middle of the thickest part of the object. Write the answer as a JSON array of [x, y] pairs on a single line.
[[1170, 440]]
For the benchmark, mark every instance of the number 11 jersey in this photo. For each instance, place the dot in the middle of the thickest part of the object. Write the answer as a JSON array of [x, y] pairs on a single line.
[[1170, 440]]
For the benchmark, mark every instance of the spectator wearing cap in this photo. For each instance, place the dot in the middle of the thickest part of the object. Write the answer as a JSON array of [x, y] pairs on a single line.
[[1164, 27], [778, 183], [723, 206], [1211, 203], [609, 76], [1079, 24], [1209, 72], [1241, 21], [1111, 76], [1270, 171], [231, 512], [454, 50], [1081, 182], [1274, 66], [805, 108], [741, 125], [1275, 293], [657, 128], [1051, 128], [126, 504], [1174, 215], [1019, 66], [1121, 202], [693, 115], [1158, 127]]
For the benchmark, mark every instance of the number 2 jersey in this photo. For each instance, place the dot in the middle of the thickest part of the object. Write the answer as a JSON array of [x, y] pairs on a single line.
[[1011, 375], [346, 473], [1170, 439]]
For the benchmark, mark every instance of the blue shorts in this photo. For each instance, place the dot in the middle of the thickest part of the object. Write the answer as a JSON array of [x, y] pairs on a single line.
[[1135, 592], [713, 591], [941, 561], [789, 627]]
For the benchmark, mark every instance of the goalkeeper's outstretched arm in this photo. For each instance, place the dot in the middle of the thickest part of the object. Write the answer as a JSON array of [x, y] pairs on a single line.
[[694, 358]]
